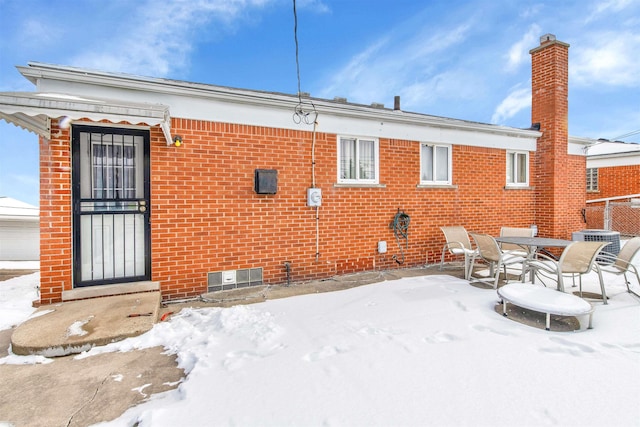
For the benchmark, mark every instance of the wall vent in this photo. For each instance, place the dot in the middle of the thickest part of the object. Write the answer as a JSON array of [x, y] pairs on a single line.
[[232, 279]]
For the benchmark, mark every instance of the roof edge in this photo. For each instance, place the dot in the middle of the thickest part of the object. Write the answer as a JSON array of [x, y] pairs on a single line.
[[35, 71]]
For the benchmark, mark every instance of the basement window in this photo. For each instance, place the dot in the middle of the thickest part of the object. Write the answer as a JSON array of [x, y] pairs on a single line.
[[358, 160], [517, 168]]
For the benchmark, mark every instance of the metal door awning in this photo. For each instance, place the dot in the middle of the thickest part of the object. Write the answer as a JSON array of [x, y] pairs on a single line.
[[33, 111]]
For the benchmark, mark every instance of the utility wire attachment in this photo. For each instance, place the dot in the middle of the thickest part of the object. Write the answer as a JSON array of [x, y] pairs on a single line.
[[300, 114]]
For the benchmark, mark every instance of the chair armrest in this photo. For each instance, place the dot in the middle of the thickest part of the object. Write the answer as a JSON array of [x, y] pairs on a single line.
[[608, 257], [543, 257], [543, 263], [455, 245]]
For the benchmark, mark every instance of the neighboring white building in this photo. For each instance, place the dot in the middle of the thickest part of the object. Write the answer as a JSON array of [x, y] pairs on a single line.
[[613, 153], [19, 230]]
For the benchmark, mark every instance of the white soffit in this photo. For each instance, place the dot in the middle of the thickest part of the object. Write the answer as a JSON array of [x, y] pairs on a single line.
[[33, 110]]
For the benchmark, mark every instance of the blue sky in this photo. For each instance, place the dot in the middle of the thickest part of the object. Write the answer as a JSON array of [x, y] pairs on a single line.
[[461, 59]]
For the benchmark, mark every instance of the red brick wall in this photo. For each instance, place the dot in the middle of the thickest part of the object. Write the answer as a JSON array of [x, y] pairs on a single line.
[[559, 178], [206, 216], [616, 181], [55, 216]]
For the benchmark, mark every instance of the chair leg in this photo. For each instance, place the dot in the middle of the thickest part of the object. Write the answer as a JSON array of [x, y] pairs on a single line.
[[628, 282], [533, 275], [604, 295], [560, 282], [495, 282], [442, 260], [466, 266], [579, 280], [548, 325], [470, 269]]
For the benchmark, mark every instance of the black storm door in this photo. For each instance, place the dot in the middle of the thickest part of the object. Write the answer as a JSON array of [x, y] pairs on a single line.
[[111, 227]]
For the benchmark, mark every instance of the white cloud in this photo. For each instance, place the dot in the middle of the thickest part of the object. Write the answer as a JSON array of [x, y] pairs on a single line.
[[530, 11], [353, 72], [392, 66], [518, 99], [317, 6], [35, 32], [451, 85], [608, 59], [158, 36], [519, 51], [607, 6]]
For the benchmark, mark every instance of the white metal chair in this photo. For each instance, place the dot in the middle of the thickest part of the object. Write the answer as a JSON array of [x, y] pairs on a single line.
[[491, 253], [622, 263], [515, 232], [577, 259], [458, 244]]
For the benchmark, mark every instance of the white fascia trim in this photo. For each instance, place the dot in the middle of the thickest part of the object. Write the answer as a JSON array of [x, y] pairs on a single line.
[[337, 112], [613, 160], [579, 146]]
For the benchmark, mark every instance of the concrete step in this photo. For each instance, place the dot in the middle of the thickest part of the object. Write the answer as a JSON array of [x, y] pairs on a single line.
[[76, 326], [110, 290]]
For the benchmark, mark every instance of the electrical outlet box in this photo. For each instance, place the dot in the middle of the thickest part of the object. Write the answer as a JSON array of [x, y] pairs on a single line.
[[314, 197], [266, 181]]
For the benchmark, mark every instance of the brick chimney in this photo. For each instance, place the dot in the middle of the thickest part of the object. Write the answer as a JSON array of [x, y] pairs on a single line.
[[559, 178]]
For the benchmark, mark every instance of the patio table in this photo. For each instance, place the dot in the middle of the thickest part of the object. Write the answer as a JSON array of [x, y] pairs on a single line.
[[533, 243]]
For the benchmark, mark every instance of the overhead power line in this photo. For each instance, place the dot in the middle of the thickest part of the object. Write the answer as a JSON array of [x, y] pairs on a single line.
[[626, 135]]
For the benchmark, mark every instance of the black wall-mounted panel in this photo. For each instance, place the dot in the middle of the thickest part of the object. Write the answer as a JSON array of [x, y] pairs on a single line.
[[266, 181]]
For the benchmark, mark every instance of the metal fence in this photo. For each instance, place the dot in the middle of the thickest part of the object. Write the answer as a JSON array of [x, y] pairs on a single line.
[[623, 217]]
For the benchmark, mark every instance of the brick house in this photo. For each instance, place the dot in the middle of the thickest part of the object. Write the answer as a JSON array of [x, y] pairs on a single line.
[[195, 187], [613, 169], [613, 187]]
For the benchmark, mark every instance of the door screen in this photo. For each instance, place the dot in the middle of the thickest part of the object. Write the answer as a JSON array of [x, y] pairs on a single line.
[[111, 206]]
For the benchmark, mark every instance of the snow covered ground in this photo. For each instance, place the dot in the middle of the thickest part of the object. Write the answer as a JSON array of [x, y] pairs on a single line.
[[417, 351]]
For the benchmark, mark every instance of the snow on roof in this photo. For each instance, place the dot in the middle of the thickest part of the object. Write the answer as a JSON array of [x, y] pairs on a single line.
[[15, 208], [613, 147]]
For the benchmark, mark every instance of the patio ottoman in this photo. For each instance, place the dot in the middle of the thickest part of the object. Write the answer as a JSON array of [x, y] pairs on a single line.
[[544, 300]]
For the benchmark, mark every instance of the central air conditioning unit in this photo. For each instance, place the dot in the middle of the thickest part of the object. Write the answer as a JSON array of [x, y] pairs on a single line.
[[600, 236]]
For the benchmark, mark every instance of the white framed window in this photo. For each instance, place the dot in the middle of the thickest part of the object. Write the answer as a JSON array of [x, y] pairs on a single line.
[[518, 168], [358, 160], [435, 164], [592, 179]]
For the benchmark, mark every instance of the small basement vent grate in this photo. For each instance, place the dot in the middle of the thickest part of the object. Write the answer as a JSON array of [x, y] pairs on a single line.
[[232, 279]]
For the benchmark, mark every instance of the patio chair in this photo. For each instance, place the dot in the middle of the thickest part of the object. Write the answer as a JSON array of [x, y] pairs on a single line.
[[577, 259], [458, 244], [515, 232], [622, 263], [497, 260]]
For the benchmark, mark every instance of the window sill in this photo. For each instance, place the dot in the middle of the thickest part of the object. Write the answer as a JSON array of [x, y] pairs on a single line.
[[518, 187], [355, 185], [438, 186], [593, 191]]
